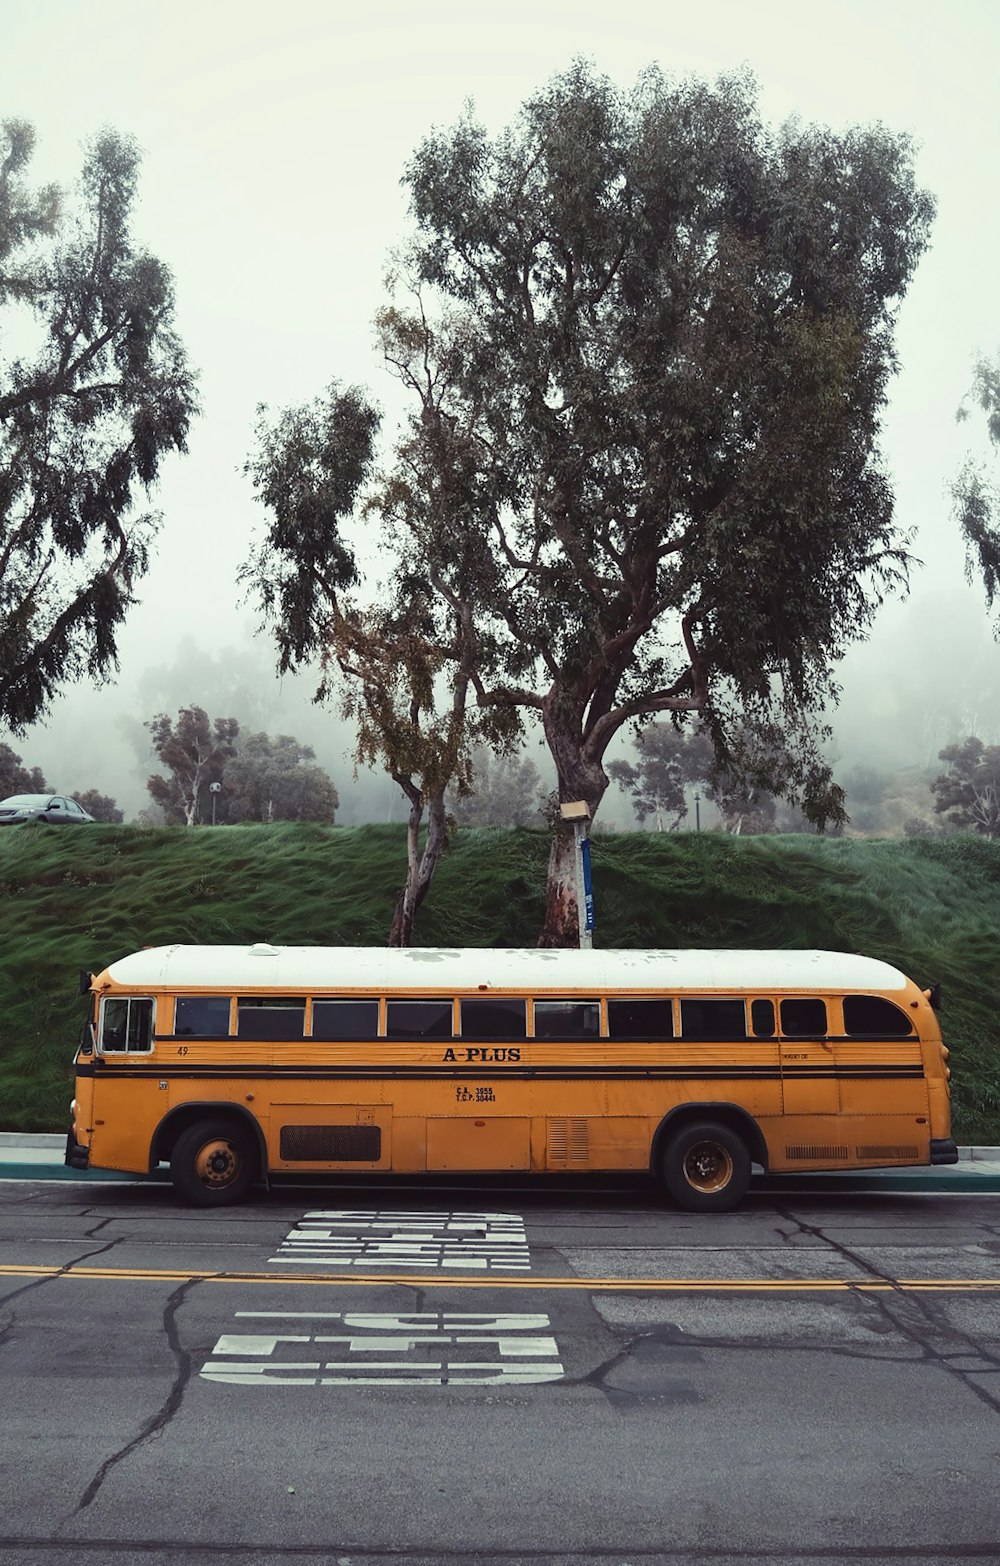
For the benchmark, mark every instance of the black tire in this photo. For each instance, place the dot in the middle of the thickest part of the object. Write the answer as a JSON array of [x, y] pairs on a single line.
[[214, 1163], [706, 1167]]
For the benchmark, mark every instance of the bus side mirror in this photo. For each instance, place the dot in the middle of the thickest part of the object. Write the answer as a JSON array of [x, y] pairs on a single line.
[[934, 997], [86, 980]]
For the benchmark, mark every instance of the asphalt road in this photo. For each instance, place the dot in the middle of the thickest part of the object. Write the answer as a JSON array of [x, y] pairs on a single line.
[[444, 1375]]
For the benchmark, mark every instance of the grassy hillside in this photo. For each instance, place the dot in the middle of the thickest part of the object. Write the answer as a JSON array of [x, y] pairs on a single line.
[[80, 899]]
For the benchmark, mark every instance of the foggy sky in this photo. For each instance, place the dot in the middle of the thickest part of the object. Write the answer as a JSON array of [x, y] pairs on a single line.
[[274, 139]]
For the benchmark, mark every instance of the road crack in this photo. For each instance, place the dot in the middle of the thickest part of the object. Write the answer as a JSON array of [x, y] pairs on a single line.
[[39, 1283], [160, 1421], [901, 1319]]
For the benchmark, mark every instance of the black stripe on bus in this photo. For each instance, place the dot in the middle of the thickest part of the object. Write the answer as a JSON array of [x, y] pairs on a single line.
[[496, 1072], [786, 1040]]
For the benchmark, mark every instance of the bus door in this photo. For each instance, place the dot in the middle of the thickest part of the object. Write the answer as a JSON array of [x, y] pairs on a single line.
[[83, 1117], [809, 1083]]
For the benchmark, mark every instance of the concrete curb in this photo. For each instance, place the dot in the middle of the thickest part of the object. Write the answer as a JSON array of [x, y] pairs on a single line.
[[32, 1139]]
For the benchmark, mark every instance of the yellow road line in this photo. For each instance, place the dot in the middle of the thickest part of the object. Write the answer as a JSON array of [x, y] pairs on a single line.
[[439, 1281]]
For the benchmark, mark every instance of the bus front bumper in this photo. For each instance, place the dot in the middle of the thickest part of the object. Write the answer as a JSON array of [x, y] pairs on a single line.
[[944, 1150]]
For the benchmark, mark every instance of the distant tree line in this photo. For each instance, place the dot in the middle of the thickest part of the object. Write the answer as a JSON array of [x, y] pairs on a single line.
[[910, 802], [214, 773]]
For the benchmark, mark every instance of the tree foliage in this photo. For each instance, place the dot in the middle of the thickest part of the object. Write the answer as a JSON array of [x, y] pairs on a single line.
[[17, 779], [668, 763], [401, 667], [101, 806], [275, 779], [95, 390], [969, 790], [411, 708], [194, 752], [504, 790], [975, 493]]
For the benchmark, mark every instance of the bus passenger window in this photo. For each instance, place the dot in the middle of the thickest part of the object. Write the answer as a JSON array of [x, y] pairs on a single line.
[[345, 1019], [803, 1017], [713, 1021], [567, 1019], [126, 1025], [498, 1018], [416, 1020], [871, 1014], [270, 1017], [649, 1020], [762, 1017], [201, 1016]]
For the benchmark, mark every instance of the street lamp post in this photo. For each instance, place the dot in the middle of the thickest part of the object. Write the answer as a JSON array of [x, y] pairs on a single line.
[[214, 789]]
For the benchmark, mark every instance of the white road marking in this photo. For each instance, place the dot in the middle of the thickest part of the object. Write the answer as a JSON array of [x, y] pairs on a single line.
[[523, 1355], [479, 1242]]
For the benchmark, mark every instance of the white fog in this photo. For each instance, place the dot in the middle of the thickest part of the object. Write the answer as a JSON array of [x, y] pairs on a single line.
[[274, 139]]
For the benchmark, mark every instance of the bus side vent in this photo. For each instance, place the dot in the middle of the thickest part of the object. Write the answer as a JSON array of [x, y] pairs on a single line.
[[568, 1143], [332, 1144], [826, 1154], [888, 1153]]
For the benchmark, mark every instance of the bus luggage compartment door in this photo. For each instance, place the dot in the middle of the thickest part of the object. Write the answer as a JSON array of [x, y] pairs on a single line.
[[331, 1136], [808, 1078], [484, 1145]]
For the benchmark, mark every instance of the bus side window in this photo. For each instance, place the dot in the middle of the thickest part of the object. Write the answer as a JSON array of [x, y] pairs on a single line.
[[418, 1019], [126, 1024], [872, 1015], [713, 1021], [501, 1017], [345, 1019], [270, 1017], [803, 1017], [638, 1020], [567, 1019], [201, 1016], [762, 1018]]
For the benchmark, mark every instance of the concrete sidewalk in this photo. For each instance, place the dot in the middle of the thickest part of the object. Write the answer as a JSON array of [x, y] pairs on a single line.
[[39, 1156]]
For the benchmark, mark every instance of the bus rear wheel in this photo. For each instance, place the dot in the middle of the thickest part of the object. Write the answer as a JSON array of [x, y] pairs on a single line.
[[214, 1163], [706, 1167]]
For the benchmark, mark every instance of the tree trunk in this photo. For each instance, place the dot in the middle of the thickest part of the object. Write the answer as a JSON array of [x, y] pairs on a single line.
[[420, 867], [562, 923], [580, 777]]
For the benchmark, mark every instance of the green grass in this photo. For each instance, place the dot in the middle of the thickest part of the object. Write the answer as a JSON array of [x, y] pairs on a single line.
[[81, 899]]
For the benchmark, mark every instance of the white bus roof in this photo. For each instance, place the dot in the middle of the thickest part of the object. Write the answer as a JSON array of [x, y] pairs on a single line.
[[443, 970]]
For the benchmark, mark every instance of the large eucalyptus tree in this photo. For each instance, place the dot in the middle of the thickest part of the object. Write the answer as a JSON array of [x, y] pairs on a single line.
[[648, 343]]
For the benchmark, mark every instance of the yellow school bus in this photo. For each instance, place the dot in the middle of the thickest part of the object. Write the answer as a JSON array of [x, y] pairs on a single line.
[[233, 1064]]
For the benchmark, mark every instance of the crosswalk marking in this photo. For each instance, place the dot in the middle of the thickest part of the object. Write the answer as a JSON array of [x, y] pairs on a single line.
[[469, 1242], [378, 1348]]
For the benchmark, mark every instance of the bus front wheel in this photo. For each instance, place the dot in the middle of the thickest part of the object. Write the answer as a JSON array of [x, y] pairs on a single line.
[[214, 1163], [706, 1167]]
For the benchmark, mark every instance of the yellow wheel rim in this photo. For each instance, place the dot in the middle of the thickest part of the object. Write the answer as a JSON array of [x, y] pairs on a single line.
[[216, 1163], [708, 1167]]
